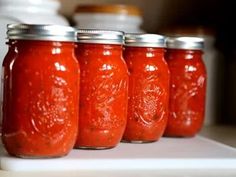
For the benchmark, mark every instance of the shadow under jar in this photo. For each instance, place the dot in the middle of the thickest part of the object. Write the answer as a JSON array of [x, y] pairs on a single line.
[[40, 91], [104, 89], [188, 86], [148, 87]]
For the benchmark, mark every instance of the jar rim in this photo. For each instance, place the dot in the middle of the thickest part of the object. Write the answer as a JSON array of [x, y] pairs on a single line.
[[185, 42], [41, 32], [144, 40], [100, 36]]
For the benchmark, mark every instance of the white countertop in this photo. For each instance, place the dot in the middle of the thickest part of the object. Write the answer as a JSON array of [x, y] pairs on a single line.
[[223, 134]]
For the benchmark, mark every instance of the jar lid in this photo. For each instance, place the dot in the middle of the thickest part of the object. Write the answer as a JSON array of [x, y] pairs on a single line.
[[109, 8], [144, 40], [100, 36], [191, 43], [41, 32]]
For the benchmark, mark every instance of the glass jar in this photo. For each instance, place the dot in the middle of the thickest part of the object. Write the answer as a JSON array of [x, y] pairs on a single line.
[[40, 91], [214, 62], [188, 86], [125, 18], [148, 87], [104, 89]]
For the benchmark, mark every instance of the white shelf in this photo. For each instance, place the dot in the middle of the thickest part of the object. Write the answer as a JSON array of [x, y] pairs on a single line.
[[168, 153]]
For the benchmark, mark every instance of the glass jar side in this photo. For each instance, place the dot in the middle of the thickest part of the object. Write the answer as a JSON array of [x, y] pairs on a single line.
[[148, 94], [187, 92], [40, 106], [104, 95]]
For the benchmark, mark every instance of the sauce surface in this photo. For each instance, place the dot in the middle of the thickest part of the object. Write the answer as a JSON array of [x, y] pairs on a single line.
[[148, 94], [104, 95], [187, 92], [41, 98]]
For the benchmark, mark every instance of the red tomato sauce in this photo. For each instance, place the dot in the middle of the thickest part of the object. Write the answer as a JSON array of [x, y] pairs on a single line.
[[148, 94], [41, 98], [104, 95], [187, 92]]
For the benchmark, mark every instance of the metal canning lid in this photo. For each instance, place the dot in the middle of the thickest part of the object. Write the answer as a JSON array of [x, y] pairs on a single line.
[[100, 36], [191, 43], [41, 32], [144, 40]]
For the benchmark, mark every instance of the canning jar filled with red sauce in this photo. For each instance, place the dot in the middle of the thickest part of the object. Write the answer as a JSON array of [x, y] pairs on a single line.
[[40, 91], [104, 89], [148, 87], [188, 86]]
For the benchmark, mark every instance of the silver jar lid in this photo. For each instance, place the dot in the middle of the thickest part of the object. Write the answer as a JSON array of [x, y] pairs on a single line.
[[100, 36], [41, 32], [191, 43], [144, 40]]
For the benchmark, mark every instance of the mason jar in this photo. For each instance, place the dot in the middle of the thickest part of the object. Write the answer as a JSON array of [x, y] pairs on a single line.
[[40, 91]]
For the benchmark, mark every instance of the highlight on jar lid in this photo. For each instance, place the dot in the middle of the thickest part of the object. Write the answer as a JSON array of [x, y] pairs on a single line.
[[41, 32], [100, 36], [109, 8], [191, 43], [144, 40]]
